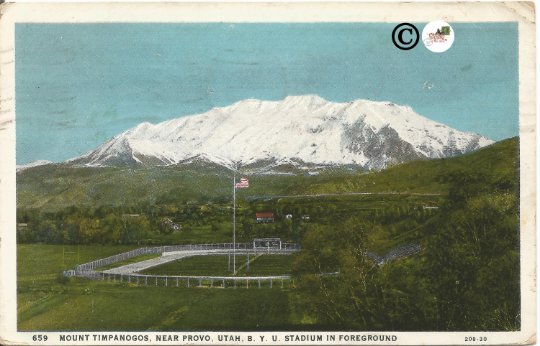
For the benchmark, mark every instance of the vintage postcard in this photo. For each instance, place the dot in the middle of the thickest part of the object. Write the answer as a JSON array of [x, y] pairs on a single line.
[[268, 173]]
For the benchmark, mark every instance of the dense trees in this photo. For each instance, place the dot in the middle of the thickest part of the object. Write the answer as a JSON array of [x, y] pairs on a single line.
[[472, 257], [335, 298], [147, 224], [84, 226], [466, 278]]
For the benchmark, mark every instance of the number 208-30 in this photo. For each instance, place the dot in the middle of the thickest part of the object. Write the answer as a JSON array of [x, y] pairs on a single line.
[[475, 339]]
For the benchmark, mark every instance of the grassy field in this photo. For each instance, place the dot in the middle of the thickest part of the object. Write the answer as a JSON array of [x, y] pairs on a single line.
[[40, 262], [218, 266], [266, 265], [48, 302]]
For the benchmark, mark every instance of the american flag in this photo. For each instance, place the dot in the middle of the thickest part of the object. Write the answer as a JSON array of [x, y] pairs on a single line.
[[244, 182]]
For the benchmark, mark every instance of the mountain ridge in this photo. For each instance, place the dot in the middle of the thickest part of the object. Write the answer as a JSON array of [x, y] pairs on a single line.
[[298, 130]]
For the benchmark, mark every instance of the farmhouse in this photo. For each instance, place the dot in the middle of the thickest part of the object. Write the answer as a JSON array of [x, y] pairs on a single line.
[[264, 217]]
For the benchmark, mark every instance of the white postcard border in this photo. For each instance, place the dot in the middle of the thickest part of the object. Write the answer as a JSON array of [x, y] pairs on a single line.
[[521, 12]]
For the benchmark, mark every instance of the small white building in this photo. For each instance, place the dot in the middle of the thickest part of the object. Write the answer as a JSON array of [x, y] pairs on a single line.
[[267, 243]]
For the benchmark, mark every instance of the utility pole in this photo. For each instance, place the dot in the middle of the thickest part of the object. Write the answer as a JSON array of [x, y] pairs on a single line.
[[234, 223], [244, 183]]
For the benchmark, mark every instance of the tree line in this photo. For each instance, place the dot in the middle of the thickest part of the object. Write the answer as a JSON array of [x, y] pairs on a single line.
[[151, 224]]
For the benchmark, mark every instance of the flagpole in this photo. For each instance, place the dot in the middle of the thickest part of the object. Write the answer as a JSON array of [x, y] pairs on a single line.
[[234, 224]]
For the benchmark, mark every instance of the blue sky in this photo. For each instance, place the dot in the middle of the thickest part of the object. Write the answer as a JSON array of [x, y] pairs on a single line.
[[77, 85]]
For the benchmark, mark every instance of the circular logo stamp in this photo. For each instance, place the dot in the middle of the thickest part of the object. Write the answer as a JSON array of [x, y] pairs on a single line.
[[405, 36], [438, 36]]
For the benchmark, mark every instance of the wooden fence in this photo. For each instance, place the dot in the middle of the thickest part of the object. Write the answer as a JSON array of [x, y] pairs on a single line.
[[89, 269], [93, 265], [278, 281]]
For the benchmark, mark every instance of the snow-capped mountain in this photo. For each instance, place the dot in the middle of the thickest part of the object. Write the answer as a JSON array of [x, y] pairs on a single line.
[[298, 130]]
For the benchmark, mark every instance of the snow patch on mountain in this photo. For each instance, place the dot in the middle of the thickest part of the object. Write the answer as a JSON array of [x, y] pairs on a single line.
[[21, 168]]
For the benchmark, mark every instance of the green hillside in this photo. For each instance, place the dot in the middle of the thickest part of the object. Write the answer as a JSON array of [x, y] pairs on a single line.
[[53, 187], [497, 162]]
